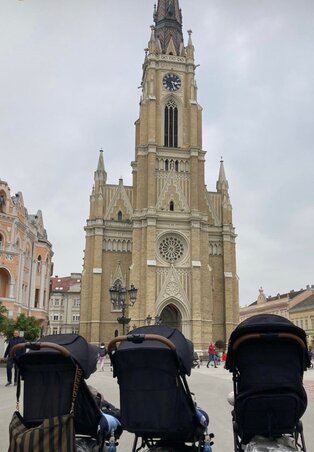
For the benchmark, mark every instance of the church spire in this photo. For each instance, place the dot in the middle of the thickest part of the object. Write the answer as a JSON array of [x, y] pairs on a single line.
[[100, 173], [222, 183], [168, 22]]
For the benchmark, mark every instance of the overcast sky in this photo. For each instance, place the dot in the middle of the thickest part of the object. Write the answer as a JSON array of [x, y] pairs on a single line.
[[69, 77]]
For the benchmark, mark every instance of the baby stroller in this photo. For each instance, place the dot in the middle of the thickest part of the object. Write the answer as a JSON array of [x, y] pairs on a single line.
[[196, 361], [53, 372], [267, 356], [151, 364]]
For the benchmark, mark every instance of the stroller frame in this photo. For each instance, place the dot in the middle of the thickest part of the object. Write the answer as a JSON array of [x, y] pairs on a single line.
[[296, 433], [79, 389], [154, 439]]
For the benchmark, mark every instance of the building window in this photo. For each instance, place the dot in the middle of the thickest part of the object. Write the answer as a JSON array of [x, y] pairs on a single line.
[[119, 215], [1, 242], [56, 317], [55, 331], [312, 323], [36, 302], [38, 263], [76, 303], [171, 206], [171, 124], [171, 249], [76, 317]]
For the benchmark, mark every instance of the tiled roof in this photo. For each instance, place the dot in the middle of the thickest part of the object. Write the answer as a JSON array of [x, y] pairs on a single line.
[[289, 295], [307, 303], [64, 284]]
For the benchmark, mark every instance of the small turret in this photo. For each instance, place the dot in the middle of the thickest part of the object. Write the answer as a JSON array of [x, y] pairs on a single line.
[[222, 183], [100, 173], [96, 199], [190, 47], [222, 188]]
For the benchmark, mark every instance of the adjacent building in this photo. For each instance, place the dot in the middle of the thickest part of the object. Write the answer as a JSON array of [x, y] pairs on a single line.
[[25, 259], [64, 304], [302, 315], [166, 233], [296, 305]]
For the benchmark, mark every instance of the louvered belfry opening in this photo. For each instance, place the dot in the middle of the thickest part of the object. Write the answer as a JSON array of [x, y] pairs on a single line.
[[171, 125]]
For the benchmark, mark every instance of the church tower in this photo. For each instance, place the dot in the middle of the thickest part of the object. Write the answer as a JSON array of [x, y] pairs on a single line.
[[166, 234]]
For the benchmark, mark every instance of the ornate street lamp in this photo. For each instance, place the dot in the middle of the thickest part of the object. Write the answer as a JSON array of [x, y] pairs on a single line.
[[118, 297], [157, 319]]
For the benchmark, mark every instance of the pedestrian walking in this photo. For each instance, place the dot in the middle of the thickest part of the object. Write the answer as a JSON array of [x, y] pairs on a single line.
[[15, 339], [101, 356], [211, 355]]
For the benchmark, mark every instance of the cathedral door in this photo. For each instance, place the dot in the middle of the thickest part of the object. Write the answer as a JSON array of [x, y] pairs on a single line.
[[171, 316]]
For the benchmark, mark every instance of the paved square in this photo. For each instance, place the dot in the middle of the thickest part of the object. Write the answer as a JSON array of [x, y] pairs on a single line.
[[211, 387]]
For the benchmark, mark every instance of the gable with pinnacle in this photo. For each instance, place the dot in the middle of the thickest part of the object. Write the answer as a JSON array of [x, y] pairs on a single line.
[[172, 289], [119, 202]]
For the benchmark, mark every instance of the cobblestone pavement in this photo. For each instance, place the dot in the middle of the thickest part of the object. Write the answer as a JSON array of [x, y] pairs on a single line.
[[211, 387]]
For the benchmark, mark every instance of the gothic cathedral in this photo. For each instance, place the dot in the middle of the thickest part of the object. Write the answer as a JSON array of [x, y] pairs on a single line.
[[166, 234]]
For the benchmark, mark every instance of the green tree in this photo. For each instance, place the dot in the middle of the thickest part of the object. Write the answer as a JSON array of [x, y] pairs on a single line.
[[3, 317], [29, 325], [220, 345]]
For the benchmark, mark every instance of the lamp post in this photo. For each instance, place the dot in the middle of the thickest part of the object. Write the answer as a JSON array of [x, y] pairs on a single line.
[[157, 319], [118, 297]]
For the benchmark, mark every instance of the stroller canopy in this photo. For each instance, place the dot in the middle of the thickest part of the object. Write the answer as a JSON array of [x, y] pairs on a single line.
[[264, 323], [81, 351], [184, 347]]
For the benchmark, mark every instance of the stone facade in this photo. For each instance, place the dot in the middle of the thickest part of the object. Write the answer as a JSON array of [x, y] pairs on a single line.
[[166, 234], [25, 259], [64, 304]]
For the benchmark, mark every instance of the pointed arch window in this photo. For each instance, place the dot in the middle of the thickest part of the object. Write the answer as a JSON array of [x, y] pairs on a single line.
[[171, 206], [171, 124], [119, 215]]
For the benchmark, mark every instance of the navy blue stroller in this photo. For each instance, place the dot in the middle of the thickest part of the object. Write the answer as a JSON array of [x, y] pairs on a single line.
[[267, 356], [151, 364], [52, 370]]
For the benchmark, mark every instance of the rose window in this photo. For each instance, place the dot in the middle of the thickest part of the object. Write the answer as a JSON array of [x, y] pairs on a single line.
[[171, 249]]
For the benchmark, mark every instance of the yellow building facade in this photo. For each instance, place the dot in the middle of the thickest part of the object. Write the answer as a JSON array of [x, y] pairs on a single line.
[[302, 315], [166, 234]]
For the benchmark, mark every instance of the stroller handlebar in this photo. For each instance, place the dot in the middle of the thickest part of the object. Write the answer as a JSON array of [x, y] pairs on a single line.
[[267, 337], [139, 338], [39, 345]]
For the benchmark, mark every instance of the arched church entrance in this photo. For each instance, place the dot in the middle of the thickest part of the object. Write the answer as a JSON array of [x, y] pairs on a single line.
[[4, 283], [171, 316]]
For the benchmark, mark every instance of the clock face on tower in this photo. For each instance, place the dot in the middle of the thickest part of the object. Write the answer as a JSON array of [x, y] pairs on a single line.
[[171, 82]]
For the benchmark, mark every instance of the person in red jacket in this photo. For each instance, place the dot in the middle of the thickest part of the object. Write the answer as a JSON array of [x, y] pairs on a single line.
[[211, 355]]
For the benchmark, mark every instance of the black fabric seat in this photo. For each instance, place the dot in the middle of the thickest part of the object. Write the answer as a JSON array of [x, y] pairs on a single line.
[[267, 355], [155, 400]]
